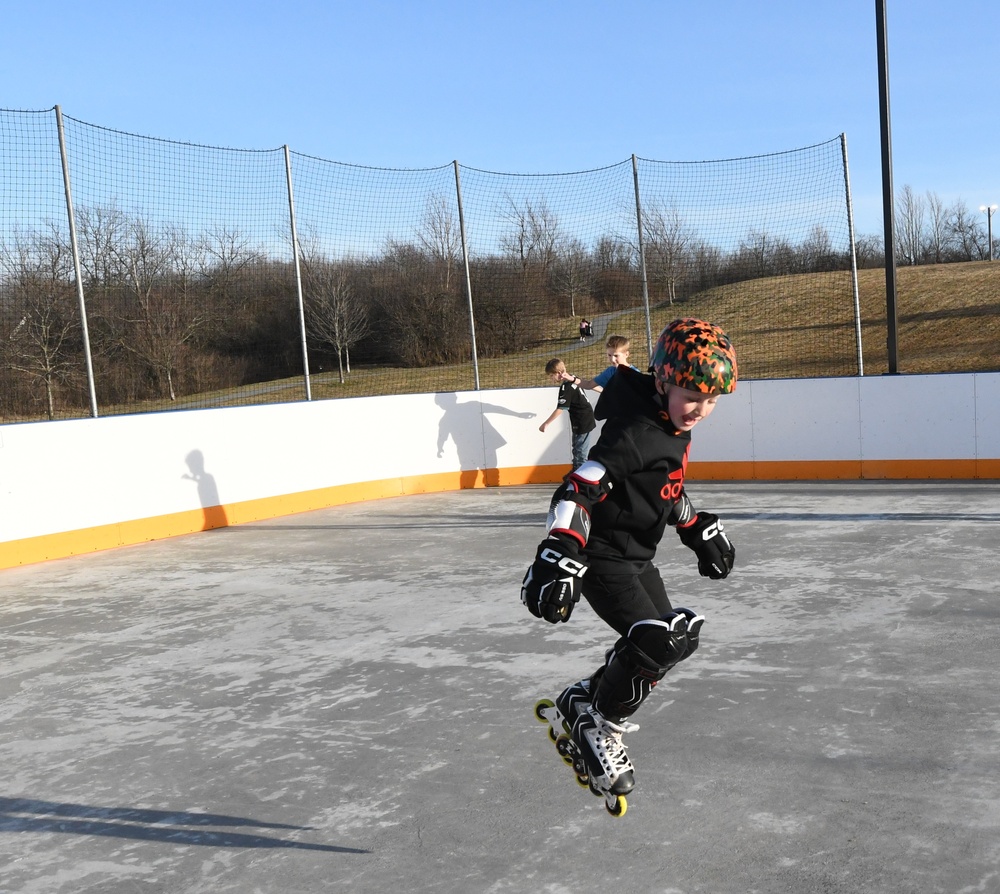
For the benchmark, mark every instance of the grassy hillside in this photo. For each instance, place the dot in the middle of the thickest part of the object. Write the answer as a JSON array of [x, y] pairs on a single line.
[[949, 321], [949, 317]]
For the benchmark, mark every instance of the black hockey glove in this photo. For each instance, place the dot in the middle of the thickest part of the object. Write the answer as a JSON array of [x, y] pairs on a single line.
[[714, 549], [551, 588]]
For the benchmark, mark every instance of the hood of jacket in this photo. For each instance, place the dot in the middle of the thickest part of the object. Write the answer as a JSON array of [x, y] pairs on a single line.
[[633, 394]]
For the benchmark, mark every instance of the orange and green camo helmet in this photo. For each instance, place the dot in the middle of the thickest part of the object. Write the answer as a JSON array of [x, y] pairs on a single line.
[[695, 355]]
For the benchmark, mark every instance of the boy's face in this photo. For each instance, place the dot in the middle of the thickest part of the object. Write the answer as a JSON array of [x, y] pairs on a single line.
[[687, 408], [556, 376], [618, 356]]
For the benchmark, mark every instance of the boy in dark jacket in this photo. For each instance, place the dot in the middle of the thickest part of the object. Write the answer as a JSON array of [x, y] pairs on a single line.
[[603, 530], [574, 401]]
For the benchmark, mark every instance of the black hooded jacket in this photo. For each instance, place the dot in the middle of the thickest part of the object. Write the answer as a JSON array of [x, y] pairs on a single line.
[[646, 459]]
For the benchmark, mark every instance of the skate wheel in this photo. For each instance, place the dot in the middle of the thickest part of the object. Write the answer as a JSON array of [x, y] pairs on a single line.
[[619, 807], [594, 790], [541, 706], [583, 781], [564, 745], [552, 735]]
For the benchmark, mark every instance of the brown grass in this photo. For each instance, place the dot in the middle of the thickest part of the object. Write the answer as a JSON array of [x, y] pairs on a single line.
[[948, 322]]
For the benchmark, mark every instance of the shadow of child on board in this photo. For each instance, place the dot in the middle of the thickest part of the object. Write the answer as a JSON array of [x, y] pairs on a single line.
[[464, 423], [208, 492]]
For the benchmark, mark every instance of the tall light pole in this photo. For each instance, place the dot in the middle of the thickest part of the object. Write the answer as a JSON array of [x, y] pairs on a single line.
[[888, 212], [989, 209]]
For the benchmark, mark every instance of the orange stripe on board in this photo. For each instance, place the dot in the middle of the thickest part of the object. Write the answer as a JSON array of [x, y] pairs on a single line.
[[780, 470], [128, 533], [988, 468]]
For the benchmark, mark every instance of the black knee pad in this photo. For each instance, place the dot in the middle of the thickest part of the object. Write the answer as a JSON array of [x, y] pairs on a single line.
[[637, 663], [694, 622], [657, 645]]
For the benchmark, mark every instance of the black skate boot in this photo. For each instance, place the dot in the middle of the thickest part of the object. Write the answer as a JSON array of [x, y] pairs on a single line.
[[561, 713], [599, 741], [590, 744], [572, 700]]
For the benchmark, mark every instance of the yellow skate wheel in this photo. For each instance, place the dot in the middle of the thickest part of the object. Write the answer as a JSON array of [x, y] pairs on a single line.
[[618, 808], [564, 746], [583, 781], [543, 705]]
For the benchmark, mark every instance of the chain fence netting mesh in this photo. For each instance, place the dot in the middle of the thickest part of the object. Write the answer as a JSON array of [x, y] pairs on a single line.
[[141, 274]]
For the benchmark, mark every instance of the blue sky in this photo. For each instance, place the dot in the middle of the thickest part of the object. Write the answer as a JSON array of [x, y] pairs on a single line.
[[531, 87]]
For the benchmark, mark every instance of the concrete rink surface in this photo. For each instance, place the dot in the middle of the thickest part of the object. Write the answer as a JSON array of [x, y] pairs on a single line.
[[343, 701]]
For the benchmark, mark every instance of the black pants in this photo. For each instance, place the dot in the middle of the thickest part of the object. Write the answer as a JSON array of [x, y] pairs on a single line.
[[621, 599]]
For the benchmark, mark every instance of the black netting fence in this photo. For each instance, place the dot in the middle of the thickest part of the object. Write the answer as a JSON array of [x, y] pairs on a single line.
[[141, 274]]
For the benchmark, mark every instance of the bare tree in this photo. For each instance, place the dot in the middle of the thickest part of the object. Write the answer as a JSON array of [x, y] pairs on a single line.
[[707, 265], [531, 247], [967, 234], [441, 238], [666, 239], [101, 231], [572, 273], [534, 235], [41, 331], [817, 251], [333, 316], [756, 253], [869, 251], [612, 253], [225, 260], [420, 323], [157, 315], [937, 240], [910, 214]]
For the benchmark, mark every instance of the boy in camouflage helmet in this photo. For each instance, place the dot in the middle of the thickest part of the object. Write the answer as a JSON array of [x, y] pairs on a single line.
[[607, 520]]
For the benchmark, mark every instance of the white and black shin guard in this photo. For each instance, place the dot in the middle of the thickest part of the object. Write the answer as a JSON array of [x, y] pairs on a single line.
[[637, 663]]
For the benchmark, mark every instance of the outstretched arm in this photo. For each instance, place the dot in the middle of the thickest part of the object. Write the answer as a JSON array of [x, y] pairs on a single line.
[[552, 418], [588, 384]]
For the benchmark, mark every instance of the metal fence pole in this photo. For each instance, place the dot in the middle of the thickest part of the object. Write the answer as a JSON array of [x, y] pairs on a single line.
[[642, 259], [77, 270], [468, 277], [854, 255], [888, 199], [298, 273]]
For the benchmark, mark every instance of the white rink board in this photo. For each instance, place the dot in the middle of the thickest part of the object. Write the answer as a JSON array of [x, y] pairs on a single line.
[[987, 392], [67, 476], [918, 417], [812, 419]]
